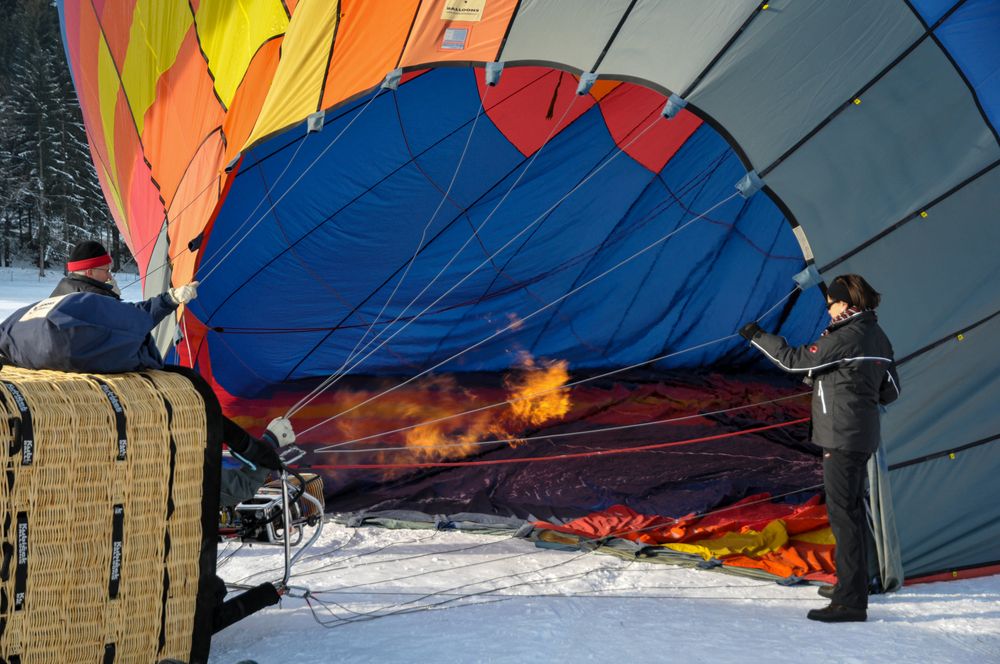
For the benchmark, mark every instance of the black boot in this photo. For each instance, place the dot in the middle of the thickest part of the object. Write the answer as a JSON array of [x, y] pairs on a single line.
[[826, 591], [838, 613]]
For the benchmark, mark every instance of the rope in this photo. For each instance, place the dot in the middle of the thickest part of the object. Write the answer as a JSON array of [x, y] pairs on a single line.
[[583, 539], [293, 185], [152, 240], [343, 560], [535, 395], [376, 613], [187, 342], [559, 457], [304, 401], [567, 434], [520, 322], [405, 593], [186, 249], [333, 380], [265, 196]]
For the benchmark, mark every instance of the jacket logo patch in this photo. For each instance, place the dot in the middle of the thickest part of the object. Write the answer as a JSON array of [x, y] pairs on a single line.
[[814, 348]]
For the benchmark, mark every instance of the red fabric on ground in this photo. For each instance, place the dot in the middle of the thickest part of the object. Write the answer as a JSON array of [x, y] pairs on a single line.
[[753, 513]]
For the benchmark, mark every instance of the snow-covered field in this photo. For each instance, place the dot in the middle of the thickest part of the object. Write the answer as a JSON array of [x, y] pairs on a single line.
[[21, 286], [427, 596]]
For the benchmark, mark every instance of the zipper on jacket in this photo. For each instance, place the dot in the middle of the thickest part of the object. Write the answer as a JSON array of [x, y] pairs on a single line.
[[822, 400]]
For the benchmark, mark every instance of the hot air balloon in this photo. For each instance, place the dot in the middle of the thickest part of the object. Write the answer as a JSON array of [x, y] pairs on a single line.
[[399, 211]]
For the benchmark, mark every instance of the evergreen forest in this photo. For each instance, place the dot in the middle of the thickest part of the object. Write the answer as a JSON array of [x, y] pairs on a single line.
[[50, 197]]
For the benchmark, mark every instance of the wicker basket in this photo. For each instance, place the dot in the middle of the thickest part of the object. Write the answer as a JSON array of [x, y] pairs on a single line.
[[103, 515]]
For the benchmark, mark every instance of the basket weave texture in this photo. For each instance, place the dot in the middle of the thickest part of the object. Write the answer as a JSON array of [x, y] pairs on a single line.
[[102, 515]]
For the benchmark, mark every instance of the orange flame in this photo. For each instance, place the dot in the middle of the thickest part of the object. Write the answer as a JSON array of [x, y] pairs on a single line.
[[534, 388], [535, 392]]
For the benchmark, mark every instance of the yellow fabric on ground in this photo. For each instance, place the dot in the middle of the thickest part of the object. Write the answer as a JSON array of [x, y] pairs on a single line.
[[748, 543], [820, 536]]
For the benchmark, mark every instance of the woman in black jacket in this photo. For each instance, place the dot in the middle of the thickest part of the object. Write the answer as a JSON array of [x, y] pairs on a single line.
[[853, 372]]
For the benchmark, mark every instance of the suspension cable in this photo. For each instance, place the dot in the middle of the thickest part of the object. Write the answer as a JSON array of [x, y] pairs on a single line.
[[152, 240], [535, 395], [518, 323], [559, 457], [567, 434], [308, 168], [420, 244], [335, 378], [485, 261]]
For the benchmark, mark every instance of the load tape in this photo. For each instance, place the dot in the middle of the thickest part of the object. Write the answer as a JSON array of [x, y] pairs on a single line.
[[23, 440], [117, 537], [8, 557], [116, 406], [21, 570]]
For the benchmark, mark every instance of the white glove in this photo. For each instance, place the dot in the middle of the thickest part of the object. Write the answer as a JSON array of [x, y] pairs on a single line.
[[114, 285], [184, 294], [280, 431]]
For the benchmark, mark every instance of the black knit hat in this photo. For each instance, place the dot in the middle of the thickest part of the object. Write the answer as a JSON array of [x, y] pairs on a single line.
[[86, 255]]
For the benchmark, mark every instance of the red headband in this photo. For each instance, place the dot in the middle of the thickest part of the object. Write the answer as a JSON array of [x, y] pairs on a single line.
[[88, 263]]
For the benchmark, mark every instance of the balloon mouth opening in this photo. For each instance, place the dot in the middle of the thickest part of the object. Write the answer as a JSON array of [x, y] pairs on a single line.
[[422, 220], [666, 443]]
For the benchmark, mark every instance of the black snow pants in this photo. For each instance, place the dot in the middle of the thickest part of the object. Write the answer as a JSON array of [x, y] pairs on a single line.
[[844, 477]]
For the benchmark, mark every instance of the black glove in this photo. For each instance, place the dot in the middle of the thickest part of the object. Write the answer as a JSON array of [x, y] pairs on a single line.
[[258, 452], [750, 330]]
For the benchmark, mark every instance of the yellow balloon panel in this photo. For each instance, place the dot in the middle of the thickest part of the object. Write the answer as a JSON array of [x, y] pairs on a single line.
[[158, 28], [297, 88], [108, 86], [230, 37]]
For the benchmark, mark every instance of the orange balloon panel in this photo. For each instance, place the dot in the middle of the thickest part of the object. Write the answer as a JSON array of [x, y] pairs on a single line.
[[199, 190], [249, 98], [442, 36], [172, 133], [369, 41], [143, 206]]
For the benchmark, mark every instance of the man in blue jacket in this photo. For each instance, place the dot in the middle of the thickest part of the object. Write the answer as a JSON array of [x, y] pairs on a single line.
[[89, 272]]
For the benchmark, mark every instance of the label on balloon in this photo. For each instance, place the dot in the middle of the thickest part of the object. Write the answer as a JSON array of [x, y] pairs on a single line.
[[463, 10], [455, 39]]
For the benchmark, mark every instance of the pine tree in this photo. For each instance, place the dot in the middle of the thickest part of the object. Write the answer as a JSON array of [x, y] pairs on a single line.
[[47, 179]]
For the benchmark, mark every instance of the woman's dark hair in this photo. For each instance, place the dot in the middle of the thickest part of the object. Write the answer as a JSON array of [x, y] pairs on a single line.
[[863, 296]]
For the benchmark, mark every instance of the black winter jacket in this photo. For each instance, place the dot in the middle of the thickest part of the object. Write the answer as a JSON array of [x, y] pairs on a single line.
[[853, 372], [79, 283]]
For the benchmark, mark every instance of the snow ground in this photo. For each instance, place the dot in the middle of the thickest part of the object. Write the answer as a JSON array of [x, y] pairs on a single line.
[[21, 286], [422, 596], [430, 596]]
